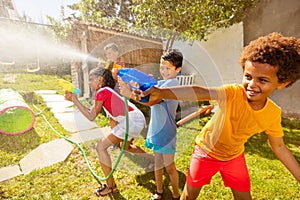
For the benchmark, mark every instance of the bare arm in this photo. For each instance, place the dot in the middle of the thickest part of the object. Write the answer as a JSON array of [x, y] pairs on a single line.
[[185, 93], [89, 113], [285, 156]]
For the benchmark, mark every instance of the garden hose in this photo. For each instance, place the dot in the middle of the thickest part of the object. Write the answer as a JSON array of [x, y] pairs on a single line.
[[98, 178]]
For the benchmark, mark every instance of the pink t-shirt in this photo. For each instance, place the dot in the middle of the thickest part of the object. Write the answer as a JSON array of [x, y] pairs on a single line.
[[112, 101]]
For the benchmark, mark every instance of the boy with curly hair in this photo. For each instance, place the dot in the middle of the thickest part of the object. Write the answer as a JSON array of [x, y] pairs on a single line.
[[269, 63]]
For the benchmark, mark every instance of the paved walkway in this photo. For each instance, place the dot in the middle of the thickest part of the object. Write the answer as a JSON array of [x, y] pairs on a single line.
[[57, 150]]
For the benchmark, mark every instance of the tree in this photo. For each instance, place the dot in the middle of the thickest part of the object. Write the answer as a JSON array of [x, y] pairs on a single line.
[[188, 19], [111, 13], [61, 27], [171, 19], [116, 13]]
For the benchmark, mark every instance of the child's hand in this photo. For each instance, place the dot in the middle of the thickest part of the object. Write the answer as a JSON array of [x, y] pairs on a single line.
[[131, 91], [69, 96], [134, 85], [124, 88]]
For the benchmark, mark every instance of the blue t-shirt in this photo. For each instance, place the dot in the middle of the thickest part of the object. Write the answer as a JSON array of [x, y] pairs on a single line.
[[162, 127]]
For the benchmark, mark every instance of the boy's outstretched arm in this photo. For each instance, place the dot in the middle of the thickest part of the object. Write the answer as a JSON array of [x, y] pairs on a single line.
[[285, 156], [184, 93]]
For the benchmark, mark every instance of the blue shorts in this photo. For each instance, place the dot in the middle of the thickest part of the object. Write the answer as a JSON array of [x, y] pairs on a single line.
[[159, 149]]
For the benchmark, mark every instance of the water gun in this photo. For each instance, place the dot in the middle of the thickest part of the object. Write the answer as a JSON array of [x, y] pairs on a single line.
[[111, 65], [144, 81], [68, 86]]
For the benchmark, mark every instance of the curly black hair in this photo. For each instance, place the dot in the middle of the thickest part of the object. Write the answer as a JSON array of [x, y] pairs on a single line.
[[106, 74], [278, 51]]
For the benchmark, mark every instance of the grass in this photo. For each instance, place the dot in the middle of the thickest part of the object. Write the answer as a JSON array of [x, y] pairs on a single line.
[[71, 179]]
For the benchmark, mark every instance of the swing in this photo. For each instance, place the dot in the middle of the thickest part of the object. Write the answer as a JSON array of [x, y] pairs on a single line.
[[7, 63], [33, 67]]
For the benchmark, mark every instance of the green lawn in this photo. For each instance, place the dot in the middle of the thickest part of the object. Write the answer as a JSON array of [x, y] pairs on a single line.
[[71, 179]]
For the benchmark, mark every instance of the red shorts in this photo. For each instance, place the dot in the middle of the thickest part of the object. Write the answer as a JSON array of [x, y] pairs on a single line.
[[203, 167]]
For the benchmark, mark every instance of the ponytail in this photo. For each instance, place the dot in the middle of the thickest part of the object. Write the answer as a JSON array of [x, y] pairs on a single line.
[[106, 74]]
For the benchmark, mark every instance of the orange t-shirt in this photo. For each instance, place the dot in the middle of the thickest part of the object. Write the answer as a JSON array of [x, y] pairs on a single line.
[[234, 122]]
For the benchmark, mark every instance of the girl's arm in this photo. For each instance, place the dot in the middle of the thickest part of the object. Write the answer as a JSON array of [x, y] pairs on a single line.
[[89, 113], [285, 156]]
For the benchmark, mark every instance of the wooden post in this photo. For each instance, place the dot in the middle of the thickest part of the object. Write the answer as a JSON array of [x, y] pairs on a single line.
[[206, 110], [84, 66]]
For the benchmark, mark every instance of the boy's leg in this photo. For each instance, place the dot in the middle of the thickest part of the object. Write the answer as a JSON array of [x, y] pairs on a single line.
[[159, 171], [190, 193], [173, 173], [238, 195]]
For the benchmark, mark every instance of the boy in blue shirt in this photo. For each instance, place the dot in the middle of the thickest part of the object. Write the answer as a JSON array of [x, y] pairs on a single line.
[[161, 137]]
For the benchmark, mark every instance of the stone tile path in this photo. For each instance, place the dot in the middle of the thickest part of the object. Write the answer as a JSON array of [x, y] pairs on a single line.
[[57, 150]]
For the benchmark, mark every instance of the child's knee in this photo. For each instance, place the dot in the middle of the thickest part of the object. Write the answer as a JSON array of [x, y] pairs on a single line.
[[171, 169], [100, 146]]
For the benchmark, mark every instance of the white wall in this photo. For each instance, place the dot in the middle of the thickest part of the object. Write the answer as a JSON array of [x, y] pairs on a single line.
[[277, 16], [215, 61], [288, 99]]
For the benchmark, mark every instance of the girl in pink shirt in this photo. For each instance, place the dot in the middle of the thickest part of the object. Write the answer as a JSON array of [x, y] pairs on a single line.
[[102, 82]]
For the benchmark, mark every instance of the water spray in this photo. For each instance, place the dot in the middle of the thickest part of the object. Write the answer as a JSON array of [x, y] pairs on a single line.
[[23, 45]]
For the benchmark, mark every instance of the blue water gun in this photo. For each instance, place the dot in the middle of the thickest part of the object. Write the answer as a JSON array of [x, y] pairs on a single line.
[[145, 81]]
